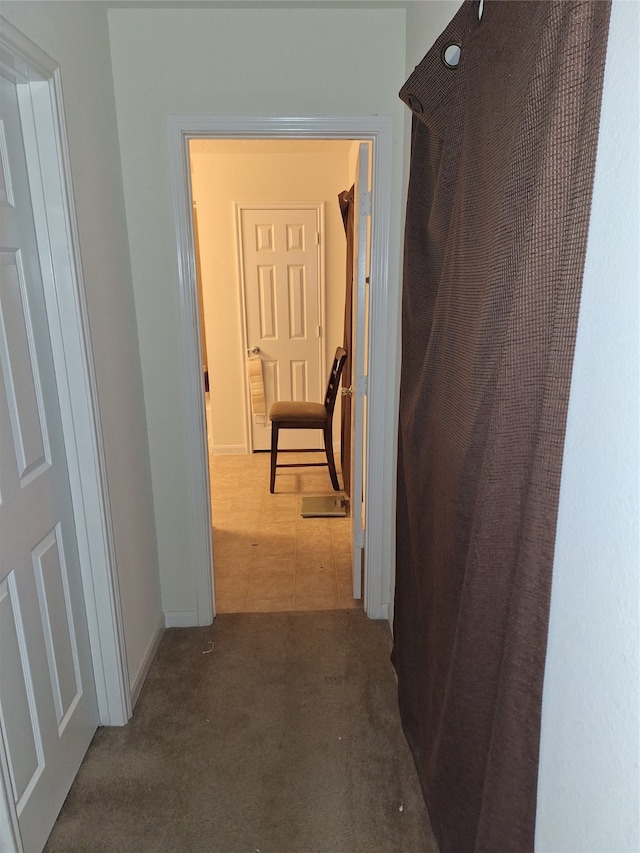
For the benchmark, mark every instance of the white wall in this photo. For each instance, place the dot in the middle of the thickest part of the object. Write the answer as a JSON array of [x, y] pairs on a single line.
[[425, 22], [287, 62], [589, 798], [255, 171], [76, 36]]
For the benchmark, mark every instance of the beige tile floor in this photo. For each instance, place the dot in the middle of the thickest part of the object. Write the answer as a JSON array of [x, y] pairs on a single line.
[[266, 556]]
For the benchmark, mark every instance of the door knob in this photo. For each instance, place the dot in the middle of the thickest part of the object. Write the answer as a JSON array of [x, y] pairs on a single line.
[[255, 350], [346, 392]]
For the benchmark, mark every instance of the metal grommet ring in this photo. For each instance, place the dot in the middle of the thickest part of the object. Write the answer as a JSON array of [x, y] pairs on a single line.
[[451, 54]]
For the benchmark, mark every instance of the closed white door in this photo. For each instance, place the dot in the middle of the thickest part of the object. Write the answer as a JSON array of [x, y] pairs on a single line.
[[280, 254], [48, 711]]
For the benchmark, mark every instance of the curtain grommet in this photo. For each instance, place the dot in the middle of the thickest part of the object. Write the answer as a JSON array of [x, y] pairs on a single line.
[[451, 55]]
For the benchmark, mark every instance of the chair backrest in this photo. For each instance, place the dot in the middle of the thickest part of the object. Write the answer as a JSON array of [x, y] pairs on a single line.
[[334, 380]]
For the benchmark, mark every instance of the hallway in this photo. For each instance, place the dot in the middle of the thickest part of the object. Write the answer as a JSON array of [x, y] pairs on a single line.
[[275, 732]]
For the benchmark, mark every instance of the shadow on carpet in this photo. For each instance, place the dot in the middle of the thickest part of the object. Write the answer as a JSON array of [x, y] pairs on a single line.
[[276, 733]]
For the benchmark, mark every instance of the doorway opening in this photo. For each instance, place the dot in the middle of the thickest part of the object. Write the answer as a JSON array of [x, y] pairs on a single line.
[[377, 132], [271, 247]]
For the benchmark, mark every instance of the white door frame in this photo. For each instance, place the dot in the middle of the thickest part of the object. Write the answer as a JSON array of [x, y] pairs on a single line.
[[318, 207], [378, 130], [38, 81]]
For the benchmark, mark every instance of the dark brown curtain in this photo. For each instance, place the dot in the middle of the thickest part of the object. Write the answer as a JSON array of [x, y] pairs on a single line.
[[345, 200], [502, 162]]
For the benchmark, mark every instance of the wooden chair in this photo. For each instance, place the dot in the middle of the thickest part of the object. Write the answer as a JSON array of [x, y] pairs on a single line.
[[296, 415]]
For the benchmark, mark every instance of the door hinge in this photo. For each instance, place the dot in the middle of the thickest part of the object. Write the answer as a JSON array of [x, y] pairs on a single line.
[[317, 238], [365, 203], [319, 331], [362, 385]]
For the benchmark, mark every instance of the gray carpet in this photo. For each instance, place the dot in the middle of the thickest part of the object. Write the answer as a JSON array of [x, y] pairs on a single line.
[[285, 738]]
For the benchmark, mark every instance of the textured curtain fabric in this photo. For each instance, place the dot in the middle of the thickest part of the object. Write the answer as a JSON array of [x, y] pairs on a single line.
[[345, 200], [502, 162]]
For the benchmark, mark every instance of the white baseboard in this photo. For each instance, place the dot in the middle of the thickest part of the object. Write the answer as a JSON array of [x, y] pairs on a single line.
[[181, 618], [140, 678], [228, 450]]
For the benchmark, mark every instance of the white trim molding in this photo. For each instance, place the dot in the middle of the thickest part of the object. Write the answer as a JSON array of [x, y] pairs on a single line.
[[198, 450], [37, 78], [379, 131], [182, 619], [150, 654], [228, 449]]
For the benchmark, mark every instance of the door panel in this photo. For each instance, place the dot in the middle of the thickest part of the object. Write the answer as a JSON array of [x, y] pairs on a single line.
[[19, 722], [281, 282], [52, 585], [20, 369], [48, 711]]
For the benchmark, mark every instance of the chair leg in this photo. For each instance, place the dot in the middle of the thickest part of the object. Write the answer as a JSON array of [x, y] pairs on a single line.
[[274, 455], [328, 446]]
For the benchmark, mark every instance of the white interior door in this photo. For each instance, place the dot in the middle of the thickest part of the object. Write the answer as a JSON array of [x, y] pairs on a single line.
[[48, 711], [362, 212], [281, 272]]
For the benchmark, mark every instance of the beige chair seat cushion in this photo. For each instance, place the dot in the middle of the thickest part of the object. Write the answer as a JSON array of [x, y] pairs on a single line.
[[294, 411]]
